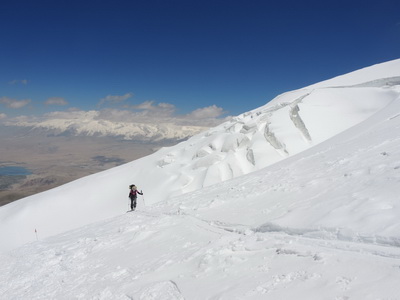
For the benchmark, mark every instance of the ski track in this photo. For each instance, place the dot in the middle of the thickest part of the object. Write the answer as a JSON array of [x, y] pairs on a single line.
[[274, 260]]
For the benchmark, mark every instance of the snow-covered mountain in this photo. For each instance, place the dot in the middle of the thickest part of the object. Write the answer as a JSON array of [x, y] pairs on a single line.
[[90, 123], [297, 199]]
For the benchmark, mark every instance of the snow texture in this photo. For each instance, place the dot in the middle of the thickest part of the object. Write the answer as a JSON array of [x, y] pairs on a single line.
[[297, 199]]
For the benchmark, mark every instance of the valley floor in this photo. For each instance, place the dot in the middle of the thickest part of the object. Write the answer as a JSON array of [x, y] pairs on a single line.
[[56, 160]]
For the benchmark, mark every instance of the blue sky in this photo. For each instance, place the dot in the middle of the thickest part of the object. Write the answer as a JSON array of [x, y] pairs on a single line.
[[216, 57]]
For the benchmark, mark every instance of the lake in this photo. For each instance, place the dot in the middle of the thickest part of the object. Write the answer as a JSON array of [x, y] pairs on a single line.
[[14, 170]]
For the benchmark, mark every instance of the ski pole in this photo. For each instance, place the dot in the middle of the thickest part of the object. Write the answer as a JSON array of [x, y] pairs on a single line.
[[144, 204], [36, 235]]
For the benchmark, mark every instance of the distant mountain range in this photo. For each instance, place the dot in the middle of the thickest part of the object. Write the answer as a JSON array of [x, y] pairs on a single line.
[[88, 123]]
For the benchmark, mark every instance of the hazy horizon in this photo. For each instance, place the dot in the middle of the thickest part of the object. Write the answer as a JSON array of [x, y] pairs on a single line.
[[57, 159]]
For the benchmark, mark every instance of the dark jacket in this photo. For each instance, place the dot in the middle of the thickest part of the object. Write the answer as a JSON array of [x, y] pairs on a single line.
[[133, 193]]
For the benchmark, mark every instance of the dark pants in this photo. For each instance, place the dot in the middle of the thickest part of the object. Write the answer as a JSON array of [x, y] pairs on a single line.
[[133, 203]]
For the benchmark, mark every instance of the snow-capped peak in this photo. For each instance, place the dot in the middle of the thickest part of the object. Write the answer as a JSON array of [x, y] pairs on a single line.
[[90, 123]]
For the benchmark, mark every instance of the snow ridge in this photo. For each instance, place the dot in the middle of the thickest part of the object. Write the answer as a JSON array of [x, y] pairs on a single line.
[[297, 120]]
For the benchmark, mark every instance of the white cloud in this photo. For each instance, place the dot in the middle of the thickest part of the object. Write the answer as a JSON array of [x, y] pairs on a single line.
[[144, 118], [212, 111], [56, 101], [13, 103], [23, 81], [113, 99], [154, 111], [69, 115], [3, 116], [151, 112], [149, 105]]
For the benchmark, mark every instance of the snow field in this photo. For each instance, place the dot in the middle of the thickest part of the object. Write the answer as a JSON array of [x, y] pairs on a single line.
[[354, 194], [148, 255]]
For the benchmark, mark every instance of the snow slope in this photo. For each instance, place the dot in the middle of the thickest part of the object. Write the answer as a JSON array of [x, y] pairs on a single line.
[[287, 125], [297, 199]]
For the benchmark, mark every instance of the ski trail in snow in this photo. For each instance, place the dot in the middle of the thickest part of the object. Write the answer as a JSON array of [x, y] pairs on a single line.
[[166, 255], [327, 238]]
